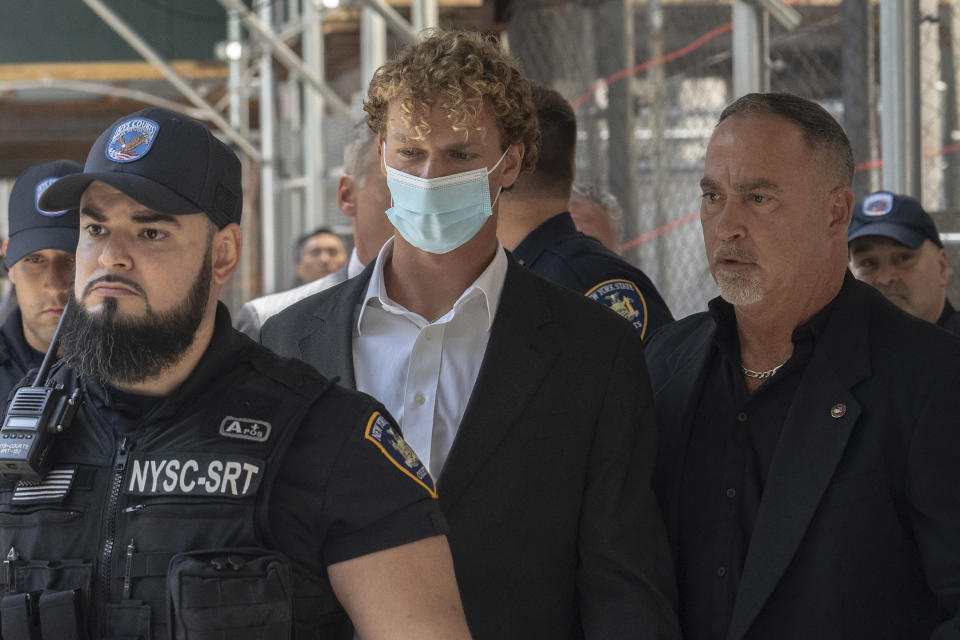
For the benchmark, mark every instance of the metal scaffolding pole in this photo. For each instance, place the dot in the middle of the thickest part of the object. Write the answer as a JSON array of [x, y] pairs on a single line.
[[401, 28], [749, 49], [424, 14], [373, 45], [140, 46], [268, 196], [900, 97], [286, 55], [314, 166]]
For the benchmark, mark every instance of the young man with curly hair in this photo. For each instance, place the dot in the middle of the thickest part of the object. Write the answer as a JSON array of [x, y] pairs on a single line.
[[530, 403]]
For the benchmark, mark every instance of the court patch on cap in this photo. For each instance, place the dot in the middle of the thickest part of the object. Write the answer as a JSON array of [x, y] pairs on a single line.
[[132, 139], [877, 204], [42, 186], [383, 434], [625, 298]]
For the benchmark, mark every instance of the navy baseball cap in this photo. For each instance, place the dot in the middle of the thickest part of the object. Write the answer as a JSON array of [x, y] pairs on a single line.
[[900, 218], [33, 229], [163, 160]]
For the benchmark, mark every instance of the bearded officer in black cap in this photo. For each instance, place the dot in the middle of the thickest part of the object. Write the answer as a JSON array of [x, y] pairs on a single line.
[[207, 488], [39, 257]]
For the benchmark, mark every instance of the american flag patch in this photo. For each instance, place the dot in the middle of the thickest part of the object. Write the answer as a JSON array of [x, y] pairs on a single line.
[[54, 487]]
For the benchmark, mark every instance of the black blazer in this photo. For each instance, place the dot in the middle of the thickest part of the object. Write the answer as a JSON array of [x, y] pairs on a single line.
[[858, 531], [555, 531]]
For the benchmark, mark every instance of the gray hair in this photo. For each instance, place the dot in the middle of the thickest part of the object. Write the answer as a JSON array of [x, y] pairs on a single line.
[[820, 129], [358, 150], [590, 192]]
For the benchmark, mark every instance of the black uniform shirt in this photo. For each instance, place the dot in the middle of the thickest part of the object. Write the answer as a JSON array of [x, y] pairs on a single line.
[[732, 443], [16, 355], [558, 252], [949, 318], [338, 495]]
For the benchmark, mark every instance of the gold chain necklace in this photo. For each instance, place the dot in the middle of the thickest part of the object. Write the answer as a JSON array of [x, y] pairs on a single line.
[[761, 375]]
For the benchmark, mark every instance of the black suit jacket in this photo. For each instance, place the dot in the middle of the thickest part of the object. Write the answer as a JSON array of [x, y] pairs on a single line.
[[858, 530], [555, 531]]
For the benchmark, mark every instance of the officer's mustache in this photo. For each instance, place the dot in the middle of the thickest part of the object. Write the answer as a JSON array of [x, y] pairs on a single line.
[[733, 251], [113, 278]]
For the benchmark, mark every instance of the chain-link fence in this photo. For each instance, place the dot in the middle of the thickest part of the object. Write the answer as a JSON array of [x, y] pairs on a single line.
[[648, 80]]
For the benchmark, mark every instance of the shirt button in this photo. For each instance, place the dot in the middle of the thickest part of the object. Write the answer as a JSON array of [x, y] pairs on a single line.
[[731, 493], [722, 571], [742, 416], [427, 335], [419, 398]]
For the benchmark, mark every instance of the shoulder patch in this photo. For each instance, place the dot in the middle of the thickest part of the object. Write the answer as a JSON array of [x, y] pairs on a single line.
[[380, 432], [625, 298], [245, 429]]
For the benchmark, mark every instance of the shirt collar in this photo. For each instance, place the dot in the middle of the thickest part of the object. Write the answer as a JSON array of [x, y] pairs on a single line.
[[488, 286], [726, 320], [948, 311], [354, 267]]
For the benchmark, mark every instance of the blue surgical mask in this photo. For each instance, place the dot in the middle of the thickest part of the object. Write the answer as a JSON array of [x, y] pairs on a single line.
[[438, 215]]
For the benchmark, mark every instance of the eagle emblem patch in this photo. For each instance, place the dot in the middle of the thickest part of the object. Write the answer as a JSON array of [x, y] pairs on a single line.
[[878, 204], [625, 298], [42, 186], [131, 139], [387, 438]]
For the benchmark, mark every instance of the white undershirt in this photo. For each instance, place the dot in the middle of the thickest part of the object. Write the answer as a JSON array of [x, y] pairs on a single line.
[[424, 372]]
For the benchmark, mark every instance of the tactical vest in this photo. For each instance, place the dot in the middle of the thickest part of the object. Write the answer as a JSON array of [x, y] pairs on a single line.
[[167, 536]]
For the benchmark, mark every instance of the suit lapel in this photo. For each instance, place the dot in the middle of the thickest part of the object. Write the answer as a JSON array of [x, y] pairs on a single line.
[[330, 339], [520, 351], [814, 437]]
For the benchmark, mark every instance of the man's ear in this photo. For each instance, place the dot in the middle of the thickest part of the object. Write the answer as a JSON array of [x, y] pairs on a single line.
[[841, 210], [512, 164], [227, 244], [347, 196]]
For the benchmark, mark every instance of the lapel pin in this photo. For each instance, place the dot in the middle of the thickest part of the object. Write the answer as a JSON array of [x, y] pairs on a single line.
[[838, 410]]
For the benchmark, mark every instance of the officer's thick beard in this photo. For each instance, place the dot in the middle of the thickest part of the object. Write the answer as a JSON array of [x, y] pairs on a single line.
[[121, 351]]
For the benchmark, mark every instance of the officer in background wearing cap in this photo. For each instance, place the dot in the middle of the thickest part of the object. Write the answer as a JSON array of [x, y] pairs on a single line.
[[207, 487], [894, 247], [39, 257], [535, 225]]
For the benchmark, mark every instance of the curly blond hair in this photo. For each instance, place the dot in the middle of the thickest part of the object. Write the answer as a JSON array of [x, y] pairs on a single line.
[[458, 71]]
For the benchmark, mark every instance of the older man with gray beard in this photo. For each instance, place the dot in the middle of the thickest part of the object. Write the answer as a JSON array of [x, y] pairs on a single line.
[[808, 427]]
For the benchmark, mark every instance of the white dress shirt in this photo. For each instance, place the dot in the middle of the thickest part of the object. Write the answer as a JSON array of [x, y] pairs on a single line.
[[424, 372]]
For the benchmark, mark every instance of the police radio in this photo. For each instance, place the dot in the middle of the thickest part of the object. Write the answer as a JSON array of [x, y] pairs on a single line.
[[35, 415]]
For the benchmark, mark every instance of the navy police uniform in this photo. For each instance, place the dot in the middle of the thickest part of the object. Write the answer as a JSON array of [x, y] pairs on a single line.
[[558, 252], [213, 512], [16, 356]]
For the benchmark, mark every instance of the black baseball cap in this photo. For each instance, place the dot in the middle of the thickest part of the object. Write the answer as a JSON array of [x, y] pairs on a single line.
[[900, 218], [163, 160], [33, 229]]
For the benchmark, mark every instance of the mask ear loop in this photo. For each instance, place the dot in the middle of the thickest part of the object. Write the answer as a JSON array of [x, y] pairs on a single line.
[[494, 168], [383, 163]]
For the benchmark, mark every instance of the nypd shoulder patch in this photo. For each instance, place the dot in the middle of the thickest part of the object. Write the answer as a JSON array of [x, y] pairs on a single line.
[[131, 139], [385, 436], [42, 186], [245, 429], [53, 488], [625, 298]]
